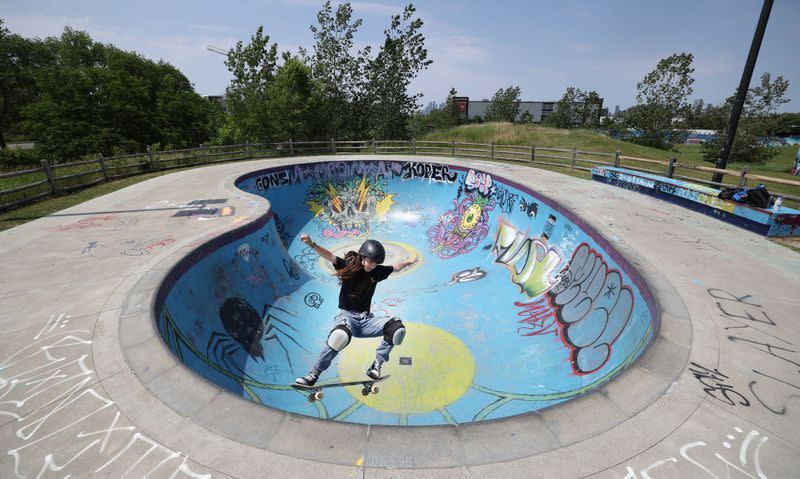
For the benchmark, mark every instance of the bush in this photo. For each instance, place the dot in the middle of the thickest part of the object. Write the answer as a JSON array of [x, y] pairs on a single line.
[[11, 160]]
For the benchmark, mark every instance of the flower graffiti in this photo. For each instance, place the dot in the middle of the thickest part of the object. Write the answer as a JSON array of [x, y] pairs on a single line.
[[461, 228]]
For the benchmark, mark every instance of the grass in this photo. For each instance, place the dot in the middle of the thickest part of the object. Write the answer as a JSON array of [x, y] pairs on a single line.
[[132, 165], [40, 209], [588, 140]]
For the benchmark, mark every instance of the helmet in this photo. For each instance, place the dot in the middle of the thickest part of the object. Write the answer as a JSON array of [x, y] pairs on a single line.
[[373, 250]]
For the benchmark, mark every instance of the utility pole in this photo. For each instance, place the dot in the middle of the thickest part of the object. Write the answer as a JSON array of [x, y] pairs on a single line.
[[741, 93]]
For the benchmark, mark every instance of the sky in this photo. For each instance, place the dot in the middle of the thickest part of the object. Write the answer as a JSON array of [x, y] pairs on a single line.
[[476, 46]]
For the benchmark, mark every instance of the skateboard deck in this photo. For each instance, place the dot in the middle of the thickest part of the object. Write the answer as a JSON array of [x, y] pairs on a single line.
[[315, 391]]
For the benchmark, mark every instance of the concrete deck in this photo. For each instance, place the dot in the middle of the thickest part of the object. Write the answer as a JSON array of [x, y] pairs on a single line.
[[87, 387]]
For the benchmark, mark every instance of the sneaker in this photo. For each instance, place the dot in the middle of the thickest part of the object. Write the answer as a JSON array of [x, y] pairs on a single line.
[[374, 371], [307, 380]]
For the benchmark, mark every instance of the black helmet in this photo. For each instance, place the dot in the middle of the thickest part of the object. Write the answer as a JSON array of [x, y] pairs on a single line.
[[373, 250]]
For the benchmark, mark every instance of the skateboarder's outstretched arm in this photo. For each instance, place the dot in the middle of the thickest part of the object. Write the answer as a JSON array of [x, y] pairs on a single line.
[[406, 263], [324, 253]]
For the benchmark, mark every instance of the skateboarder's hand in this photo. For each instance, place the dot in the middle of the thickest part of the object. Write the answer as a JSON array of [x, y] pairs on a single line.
[[306, 239]]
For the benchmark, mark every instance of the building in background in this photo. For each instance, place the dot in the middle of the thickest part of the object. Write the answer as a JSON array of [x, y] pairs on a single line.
[[539, 110], [218, 99]]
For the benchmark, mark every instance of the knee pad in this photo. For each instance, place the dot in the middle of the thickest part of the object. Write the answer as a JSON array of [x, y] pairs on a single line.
[[339, 337], [394, 332]]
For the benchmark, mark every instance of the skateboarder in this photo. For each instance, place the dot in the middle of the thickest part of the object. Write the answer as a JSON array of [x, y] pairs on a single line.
[[358, 274]]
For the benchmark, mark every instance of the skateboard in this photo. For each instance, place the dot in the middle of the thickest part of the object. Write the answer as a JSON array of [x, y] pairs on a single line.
[[315, 391]]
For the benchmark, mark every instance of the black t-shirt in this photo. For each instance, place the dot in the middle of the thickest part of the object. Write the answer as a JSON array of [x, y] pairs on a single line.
[[356, 293]]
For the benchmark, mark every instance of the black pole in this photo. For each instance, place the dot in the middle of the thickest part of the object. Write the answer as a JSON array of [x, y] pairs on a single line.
[[741, 93]]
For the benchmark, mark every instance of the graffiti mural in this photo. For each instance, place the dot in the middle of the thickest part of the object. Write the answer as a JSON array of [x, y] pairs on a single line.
[[593, 307], [461, 228], [531, 261], [502, 278], [529, 208], [348, 208], [245, 330], [467, 276]]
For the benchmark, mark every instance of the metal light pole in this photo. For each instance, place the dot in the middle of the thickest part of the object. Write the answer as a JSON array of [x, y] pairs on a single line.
[[741, 93]]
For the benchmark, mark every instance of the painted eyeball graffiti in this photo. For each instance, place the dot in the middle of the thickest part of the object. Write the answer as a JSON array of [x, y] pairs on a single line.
[[471, 217]]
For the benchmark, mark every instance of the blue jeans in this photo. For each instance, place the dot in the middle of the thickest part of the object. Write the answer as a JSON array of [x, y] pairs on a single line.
[[361, 325]]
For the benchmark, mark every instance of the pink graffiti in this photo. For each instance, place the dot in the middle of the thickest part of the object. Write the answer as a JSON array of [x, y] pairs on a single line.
[[382, 308], [340, 234], [86, 223]]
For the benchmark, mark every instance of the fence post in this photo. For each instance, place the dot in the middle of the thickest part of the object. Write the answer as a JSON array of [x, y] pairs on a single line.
[[491, 155], [616, 159], [453, 148], [671, 167], [202, 153], [291, 147], [413, 146], [151, 161], [247, 149], [333, 146], [50, 178], [743, 177], [574, 154], [533, 153], [374, 147], [102, 166]]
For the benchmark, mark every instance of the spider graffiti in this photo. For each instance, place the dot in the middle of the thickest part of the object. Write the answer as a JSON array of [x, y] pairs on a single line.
[[246, 330]]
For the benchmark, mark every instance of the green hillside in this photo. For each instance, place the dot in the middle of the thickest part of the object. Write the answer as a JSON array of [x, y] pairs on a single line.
[[588, 140]]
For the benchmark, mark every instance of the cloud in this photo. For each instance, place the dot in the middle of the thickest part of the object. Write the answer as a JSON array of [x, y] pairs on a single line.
[[459, 59]]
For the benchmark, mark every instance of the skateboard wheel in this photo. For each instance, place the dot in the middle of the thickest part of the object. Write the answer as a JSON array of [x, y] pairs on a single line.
[[318, 395], [365, 392], [311, 398], [374, 389]]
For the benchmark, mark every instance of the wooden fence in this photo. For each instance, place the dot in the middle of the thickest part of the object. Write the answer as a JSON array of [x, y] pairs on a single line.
[[22, 187]]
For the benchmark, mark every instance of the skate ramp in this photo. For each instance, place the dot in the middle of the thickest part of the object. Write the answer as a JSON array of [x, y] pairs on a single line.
[[514, 306]]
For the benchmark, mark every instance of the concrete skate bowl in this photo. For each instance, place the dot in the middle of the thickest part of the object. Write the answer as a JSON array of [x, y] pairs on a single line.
[[515, 305]]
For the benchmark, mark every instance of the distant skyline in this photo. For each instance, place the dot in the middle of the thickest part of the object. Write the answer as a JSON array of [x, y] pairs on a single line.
[[476, 47]]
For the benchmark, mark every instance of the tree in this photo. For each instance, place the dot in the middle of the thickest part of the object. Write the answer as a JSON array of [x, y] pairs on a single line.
[[576, 109], [525, 117], [663, 96], [437, 119], [767, 98], [294, 103], [253, 67], [564, 114], [504, 105], [591, 110], [787, 124], [759, 119], [400, 59], [746, 148], [20, 58], [339, 72], [96, 98]]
